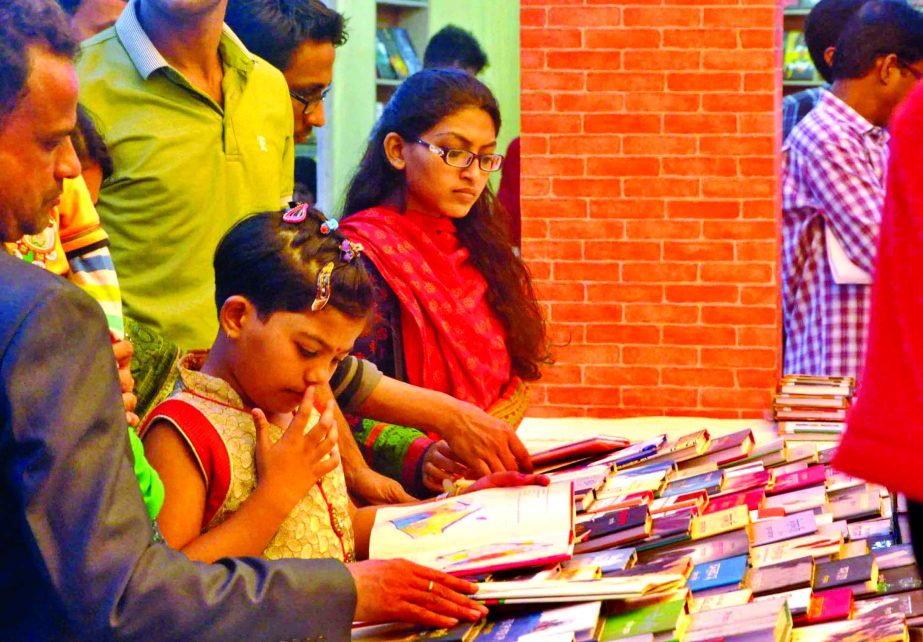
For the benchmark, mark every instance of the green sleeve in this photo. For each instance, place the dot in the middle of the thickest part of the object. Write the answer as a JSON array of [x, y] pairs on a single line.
[[148, 479], [395, 451]]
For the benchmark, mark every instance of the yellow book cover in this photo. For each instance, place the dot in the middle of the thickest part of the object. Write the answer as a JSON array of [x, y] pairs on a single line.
[[720, 522]]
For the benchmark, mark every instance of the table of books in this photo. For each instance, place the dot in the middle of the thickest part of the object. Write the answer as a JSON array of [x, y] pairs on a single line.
[[699, 529]]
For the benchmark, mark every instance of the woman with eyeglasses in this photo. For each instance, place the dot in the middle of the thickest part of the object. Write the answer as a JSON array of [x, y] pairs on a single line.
[[456, 308]]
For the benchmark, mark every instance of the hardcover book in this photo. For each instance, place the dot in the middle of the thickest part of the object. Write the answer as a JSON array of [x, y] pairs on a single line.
[[580, 620], [612, 522], [710, 482], [400, 632], [575, 451], [798, 500], [727, 449], [614, 559], [770, 617], [720, 522], [607, 588], [778, 529], [709, 549], [819, 545], [667, 620], [890, 628], [825, 606], [752, 499], [787, 576], [811, 476], [720, 573], [720, 600], [488, 530], [798, 600]]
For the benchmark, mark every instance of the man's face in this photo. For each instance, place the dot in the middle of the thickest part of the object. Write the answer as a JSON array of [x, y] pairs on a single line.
[[92, 16], [36, 153], [309, 72]]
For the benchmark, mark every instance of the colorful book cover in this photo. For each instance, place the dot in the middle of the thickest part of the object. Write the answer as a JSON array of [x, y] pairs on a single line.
[[616, 559], [405, 47], [753, 500], [728, 448], [771, 616], [710, 482], [635, 453], [797, 501], [898, 580], [720, 522], [695, 500], [892, 628], [580, 618], [788, 527], [487, 530], [869, 528], [811, 476], [400, 632], [798, 600], [825, 606], [720, 600], [757, 479], [612, 522], [788, 576], [726, 572], [616, 502], [818, 545], [709, 549], [668, 618], [894, 556]]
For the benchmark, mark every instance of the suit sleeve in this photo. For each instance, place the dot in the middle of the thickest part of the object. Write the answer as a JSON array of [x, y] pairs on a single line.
[[83, 513]]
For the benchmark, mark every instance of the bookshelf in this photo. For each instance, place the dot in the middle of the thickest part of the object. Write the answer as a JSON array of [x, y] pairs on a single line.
[[793, 20], [413, 17]]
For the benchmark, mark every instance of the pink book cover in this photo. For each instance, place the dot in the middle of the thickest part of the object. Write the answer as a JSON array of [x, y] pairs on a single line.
[[811, 476], [752, 500]]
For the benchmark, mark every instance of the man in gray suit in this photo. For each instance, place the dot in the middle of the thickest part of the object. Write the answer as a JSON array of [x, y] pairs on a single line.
[[76, 554]]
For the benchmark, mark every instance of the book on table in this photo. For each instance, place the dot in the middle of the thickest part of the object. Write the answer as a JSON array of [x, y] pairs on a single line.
[[488, 530]]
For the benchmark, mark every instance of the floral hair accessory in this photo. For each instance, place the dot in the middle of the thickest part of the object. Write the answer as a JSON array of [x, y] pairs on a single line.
[[328, 226], [297, 214], [323, 288], [351, 250]]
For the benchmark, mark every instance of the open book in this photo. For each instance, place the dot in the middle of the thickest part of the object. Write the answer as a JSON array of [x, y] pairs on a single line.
[[485, 531]]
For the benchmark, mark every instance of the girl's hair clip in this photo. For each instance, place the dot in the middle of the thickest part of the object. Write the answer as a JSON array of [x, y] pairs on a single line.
[[329, 226], [297, 214], [351, 250], [323, 288]]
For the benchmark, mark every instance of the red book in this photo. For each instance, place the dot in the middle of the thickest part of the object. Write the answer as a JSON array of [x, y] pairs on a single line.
[[758, 479], [621, 501], [811, 476], [835, 604], [583, 449], [752, 500]]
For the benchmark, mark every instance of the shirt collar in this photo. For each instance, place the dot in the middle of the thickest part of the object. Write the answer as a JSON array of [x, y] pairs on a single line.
[[146, 59], [850, 118]]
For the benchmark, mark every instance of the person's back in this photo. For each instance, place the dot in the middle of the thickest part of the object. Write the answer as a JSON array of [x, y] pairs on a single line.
[[186, 168]]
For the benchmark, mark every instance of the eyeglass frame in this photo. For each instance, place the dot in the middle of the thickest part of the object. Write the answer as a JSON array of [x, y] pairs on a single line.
[[310, 104], [443, 153], [917, 74]]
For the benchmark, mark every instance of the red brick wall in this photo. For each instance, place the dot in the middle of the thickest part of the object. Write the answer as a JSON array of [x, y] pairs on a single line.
[[649, 194]]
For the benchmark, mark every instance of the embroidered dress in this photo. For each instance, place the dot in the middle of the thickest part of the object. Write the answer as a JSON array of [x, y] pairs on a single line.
[[212, 419]]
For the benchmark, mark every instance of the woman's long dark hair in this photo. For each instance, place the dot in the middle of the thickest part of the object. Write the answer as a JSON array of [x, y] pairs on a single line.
[[421, 101]]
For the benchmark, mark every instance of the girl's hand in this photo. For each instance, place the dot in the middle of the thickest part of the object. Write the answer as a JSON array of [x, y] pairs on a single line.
[[440, 464], [287, 469], [506, 479]]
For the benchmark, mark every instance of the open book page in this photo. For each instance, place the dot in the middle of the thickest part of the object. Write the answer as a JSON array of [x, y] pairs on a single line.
[[487, 530]]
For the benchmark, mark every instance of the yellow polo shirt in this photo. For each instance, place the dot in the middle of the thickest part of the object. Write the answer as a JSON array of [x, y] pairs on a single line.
[[186, 169]]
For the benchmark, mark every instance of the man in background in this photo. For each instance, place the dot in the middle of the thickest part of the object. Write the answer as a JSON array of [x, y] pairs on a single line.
[[823, 27], [452, 46], [833, 185]]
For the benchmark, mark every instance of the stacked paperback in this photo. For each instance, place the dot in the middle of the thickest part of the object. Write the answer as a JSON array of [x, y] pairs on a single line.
[[809, 408], [697, 538]]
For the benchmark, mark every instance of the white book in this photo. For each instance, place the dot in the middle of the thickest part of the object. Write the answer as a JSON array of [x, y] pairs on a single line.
[[488, 530], [781, 528]]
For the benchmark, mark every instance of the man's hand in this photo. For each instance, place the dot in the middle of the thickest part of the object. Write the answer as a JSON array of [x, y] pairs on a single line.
[[484, 443], [401, 591], [374, 488]]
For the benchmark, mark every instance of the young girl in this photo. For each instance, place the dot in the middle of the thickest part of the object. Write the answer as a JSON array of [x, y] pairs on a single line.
[[292, 299], [456, 310]]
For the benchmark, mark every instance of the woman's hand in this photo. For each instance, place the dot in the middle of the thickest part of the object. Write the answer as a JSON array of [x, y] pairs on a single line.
[[484, 443], [286, 470], [124, 351]]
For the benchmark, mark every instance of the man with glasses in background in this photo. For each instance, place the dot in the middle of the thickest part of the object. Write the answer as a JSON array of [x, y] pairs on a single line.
[[833, 188]]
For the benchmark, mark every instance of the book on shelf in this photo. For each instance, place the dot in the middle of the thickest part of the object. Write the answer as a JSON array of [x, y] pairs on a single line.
[[488, 530], [382, 61], [386, 35], [406, 50], [796, 59]]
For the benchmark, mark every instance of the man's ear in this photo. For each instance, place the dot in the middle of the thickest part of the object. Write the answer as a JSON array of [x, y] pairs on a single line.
[[828, 56], [887, 65], [394, 150], [235, 314]]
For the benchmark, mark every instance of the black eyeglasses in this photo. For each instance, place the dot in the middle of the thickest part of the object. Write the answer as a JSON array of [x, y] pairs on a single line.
[[311, 102], [463, 158], [906, 65]]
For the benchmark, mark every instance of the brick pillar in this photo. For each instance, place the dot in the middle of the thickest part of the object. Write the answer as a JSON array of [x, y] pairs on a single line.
[[650, 203]]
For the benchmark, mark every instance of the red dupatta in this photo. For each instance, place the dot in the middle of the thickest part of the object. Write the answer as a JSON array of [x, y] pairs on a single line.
[[452, 340]]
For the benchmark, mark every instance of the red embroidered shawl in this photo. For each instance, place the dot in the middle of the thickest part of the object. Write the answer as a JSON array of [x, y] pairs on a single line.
[[452, 341]]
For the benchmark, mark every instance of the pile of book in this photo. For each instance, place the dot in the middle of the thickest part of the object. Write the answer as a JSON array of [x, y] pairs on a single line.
[[811, 408], [692, 539], [395, 57]]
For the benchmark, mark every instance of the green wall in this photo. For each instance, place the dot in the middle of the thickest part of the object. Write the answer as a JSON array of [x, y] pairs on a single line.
[[351, 106]]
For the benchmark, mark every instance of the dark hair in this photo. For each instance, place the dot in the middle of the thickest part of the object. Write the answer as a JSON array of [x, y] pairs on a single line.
[[454, 47], [89, 145], [274, 29], [24, 23], [823, 27], [881, 27], [274, 264], [420, 102]]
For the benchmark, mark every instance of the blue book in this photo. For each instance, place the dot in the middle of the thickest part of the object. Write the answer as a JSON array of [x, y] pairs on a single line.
[[613, 559], [579, 619], [635, 452], [727, 572], [710, 482]]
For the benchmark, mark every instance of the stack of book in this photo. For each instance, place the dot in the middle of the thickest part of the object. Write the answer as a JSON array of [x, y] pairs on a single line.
[[696, 538], [809, 408]]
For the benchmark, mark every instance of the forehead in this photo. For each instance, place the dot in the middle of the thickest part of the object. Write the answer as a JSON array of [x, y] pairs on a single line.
[[472, 123], [311, 64], [50, 101], [337, 330]]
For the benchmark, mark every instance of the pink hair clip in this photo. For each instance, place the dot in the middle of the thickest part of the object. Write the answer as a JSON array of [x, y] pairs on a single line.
[[350, 250], [328, 226], [297, 214]]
